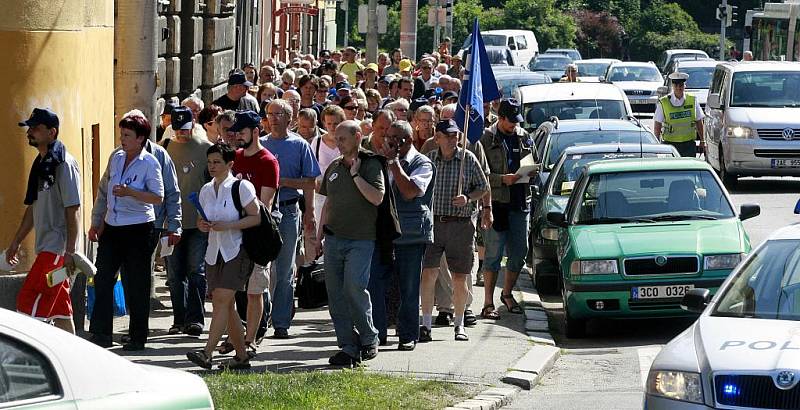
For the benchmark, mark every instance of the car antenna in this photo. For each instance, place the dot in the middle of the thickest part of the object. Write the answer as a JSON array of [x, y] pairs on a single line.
[[639, 124]]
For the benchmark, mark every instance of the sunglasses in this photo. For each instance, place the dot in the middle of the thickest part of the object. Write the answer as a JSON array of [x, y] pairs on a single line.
[[351, 107]]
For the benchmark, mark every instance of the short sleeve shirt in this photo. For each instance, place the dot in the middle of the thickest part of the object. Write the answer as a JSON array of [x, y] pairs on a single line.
[[295, 159], [350, 215], [218, 207], [261, 169], [49, 222]]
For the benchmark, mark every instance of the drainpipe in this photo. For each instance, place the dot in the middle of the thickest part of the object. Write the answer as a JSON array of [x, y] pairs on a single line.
[[408, 28], [135, 54]]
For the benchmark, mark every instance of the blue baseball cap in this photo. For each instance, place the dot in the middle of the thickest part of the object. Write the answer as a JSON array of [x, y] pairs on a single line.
[[43, 116], [245, 119], [181, 118], [447, 126], [237, 77]]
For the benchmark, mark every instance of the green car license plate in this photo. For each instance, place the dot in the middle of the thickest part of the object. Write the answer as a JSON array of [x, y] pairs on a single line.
[[660, 292], [786, 163]]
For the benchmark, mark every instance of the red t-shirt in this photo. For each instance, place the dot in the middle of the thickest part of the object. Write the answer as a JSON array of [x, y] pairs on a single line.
[[260, 169]]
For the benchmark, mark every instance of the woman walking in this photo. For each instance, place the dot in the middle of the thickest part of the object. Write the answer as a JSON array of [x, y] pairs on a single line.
[[228, 266]]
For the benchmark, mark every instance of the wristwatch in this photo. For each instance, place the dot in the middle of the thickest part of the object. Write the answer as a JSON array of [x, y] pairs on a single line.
[[391, 161]]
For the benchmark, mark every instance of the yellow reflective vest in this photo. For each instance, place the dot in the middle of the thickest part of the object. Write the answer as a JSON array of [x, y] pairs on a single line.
[[678, 125]]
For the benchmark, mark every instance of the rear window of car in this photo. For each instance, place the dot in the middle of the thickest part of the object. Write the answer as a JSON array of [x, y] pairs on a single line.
[[537, 113]]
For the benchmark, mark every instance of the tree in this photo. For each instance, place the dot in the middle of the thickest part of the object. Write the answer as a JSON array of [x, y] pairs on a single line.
[[552, 27], [665, 18], [599, 34]]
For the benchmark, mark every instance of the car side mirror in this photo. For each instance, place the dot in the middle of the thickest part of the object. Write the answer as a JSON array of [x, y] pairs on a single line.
[[696, 300], [662, 91], [556, 219], [713, 100], [748, 211], [535, 190], [602, 78]]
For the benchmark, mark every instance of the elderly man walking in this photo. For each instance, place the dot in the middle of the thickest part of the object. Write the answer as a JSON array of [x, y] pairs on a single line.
[[354, 187]]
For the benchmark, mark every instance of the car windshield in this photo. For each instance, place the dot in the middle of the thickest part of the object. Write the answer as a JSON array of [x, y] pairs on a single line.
[[563, 140], [537, 113], [507, 84], [766, 89], [550, 63], [699, 77], [591, 69], [634, 73], [651, 196], [767, 286], [498, 56], [488, 40], [569, 170]]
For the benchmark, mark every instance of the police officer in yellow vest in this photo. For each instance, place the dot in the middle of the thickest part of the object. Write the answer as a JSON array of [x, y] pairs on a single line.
[[678, 118]]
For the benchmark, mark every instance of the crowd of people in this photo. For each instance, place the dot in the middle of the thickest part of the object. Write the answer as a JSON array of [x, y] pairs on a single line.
[[363, 169]]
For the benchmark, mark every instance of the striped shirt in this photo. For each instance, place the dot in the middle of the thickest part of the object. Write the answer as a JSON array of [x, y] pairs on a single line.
[[446, 184]]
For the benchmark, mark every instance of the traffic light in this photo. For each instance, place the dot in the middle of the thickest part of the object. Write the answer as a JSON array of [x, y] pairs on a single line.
[[722, 13], [731, 15]]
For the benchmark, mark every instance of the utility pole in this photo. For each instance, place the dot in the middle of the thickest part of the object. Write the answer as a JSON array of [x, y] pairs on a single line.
[[435, 6], [372, 31], [346, 6], [449, 25], [722, 26], [408, 28]]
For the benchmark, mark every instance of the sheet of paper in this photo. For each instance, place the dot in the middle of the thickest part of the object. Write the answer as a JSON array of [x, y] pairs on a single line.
[[526, 165]]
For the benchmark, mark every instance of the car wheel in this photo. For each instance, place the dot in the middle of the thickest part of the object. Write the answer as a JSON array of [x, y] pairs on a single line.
[[573, 328], [730, 180], [545, 280]]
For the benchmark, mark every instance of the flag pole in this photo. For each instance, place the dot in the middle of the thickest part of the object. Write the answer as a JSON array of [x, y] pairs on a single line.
[[463, 141]]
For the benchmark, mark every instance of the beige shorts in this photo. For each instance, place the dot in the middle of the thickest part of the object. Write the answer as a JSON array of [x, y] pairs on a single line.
[[259, 280]]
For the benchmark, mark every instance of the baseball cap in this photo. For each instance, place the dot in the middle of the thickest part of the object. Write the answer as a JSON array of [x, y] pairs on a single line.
[[181, 118], [245, 119], [419, 102], [405, 65], [509, 109], [237, 77], [447, 126], [449, 94], [342, 84], [371, 66], [386, 79], [168, 108], [41, 116], [678, 77]]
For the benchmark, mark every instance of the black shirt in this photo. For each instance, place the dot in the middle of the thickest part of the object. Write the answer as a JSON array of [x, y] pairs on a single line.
[[226, 103], [517, 191]]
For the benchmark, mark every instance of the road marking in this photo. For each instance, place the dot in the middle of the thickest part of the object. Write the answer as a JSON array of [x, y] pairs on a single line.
[[646, 357]]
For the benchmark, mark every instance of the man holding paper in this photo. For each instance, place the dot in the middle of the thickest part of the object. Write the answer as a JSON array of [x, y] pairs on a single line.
[[508, 150]]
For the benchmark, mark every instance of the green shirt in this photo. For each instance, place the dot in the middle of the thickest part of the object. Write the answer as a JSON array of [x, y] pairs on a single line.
[[192, 170], [349, 214]]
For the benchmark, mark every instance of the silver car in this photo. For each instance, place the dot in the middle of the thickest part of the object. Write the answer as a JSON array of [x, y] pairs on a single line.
[[743, 351]]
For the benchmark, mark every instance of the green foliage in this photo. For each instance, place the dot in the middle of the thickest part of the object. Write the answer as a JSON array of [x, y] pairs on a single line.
[[552, 27], [666, 18], [599, 34]]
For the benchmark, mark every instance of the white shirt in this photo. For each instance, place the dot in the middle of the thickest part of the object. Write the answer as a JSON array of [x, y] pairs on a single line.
[[218, 207], [421, 177], [659, 114], [324, 159], [143, 173]]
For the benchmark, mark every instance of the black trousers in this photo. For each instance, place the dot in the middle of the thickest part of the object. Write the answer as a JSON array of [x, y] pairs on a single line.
[[130, 248]]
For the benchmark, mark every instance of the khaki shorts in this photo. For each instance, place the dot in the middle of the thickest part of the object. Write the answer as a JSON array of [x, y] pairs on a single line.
[[454, 239], [231, 275], [259, 280]]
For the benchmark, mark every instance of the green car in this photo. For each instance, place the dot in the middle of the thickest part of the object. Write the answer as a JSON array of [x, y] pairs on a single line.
[[637, 234]]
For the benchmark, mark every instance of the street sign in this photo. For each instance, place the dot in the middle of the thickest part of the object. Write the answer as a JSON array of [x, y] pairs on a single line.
[[363, 16], [435, 12], [383, 18], [313, 11]]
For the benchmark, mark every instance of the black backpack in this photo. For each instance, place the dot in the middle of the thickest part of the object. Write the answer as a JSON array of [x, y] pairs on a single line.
[[261, 242]]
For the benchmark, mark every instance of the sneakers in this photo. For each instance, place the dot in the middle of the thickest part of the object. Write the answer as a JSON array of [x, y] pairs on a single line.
[[133, 347], [102, 340], [175, 329], [344, 359], [280, 333], [444, 319], [460, 335], [369, 352], [407, 346], [469, 318], [193, 330], [424, 334]]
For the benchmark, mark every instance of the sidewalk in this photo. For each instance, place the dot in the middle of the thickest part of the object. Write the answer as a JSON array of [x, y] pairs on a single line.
[[494, 346]]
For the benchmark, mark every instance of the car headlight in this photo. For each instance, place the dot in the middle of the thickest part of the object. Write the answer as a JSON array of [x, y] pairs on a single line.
[[716, 262], [683, 386], [739, 132], [595, 267], [551, 234]]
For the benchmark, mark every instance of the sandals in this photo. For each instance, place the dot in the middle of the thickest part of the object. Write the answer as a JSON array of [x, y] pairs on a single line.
[[492, 315], [235, 363], [461, 335], [199, 358], [250, 348], [510, 303], [175, 330], [225, 347]]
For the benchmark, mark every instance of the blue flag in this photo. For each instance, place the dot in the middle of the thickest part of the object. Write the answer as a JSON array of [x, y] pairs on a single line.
[[479, 86]]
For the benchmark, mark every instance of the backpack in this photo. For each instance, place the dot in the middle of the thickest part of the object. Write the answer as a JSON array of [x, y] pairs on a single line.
[[311, 290], [261, 242]]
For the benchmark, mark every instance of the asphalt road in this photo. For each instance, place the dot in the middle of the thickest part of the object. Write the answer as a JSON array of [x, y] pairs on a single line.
[[607, 370]]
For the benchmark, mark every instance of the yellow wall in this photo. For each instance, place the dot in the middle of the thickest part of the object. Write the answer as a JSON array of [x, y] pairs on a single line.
[[57, 54]]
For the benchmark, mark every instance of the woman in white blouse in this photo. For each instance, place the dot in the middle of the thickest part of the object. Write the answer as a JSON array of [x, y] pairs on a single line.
[[227, 265]]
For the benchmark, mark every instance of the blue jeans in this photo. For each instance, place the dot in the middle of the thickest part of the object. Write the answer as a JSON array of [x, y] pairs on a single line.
[[379, 276], [513, 242], [408, 265], [347, 264], [186, 270], [283, 268]]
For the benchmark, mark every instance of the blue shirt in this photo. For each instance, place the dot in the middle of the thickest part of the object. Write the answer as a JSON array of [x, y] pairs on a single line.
[[295, 160], [142, 174]]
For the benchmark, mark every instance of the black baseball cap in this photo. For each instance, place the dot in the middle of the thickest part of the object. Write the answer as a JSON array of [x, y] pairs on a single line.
[[245, 119], [510, 109], [168, 108], [419, 102], [181, 118], [447, 126], [43, 116], [237, 77], [449, 94]]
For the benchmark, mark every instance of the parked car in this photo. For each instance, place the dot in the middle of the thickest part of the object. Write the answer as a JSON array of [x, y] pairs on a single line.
[[522, 43], [508, 81], [553, 65], [691, 57], [591, 70], [752, 124], [640, 81], [569, 52], [571, 101], [669, 55], [42, 367], [700, 73], [637, 235], [556, 190], [741, 351]]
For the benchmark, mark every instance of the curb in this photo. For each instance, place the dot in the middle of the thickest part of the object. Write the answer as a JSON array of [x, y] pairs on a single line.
[[490, 399], [544, 353]]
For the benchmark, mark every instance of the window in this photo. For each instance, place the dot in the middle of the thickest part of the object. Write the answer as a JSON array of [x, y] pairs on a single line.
[[25, 374], [766, 89], [716, 81], [521, 43]]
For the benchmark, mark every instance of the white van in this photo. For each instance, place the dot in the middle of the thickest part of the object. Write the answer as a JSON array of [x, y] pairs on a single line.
[[752, 123], [522, 43]]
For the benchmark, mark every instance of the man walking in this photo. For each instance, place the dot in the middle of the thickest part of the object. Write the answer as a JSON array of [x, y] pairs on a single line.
[[237, 97], [679, 119], [354, 187], [53, 202], [298, 171]]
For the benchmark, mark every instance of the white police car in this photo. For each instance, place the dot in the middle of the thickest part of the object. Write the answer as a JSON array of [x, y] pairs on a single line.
[[744, 350]]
